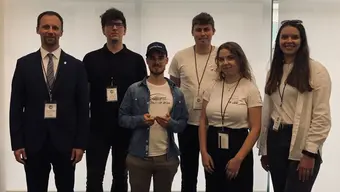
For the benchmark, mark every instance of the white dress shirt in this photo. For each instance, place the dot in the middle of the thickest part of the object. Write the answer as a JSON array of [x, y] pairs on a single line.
[[312, 118], [56, 57]]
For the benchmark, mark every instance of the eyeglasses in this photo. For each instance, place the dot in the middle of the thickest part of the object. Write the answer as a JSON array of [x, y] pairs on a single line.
[[112, 24], [294, 21]]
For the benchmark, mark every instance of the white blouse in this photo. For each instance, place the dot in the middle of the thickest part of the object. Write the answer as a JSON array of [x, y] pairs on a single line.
[[312, 117]]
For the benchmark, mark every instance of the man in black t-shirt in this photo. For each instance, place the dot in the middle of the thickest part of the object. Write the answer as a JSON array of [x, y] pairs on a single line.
[[111, 70]]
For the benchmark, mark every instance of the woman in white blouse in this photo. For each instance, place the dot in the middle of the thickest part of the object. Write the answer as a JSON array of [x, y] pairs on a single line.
[[296, 112], [231, 107]]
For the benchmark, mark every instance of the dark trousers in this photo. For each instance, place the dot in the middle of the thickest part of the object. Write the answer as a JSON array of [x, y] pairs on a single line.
[[96, 158], [285, 177], [218, 181], [189, 146], [38, 167], [141, 170]]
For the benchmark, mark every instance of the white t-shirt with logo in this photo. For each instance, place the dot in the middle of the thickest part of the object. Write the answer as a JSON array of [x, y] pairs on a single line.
[[183, 67], [246, 95], [161, 102]]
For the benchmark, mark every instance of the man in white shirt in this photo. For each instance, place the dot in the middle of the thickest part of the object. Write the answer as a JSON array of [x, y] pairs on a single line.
[[154, 109], [193, 69]]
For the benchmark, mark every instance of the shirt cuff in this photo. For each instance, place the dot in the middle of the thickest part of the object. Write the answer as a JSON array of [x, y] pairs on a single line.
[[309, 154]]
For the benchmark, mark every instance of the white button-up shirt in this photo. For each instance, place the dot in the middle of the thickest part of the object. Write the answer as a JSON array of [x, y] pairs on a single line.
[[312, 119]]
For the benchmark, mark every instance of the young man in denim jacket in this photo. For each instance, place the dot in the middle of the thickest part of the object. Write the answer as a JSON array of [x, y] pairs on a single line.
[[154, 109]]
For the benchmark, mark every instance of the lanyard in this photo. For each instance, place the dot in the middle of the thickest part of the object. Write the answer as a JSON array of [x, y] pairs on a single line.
[[283, 92], [111, 82], [231, 96], [49, 88], [205, 67]]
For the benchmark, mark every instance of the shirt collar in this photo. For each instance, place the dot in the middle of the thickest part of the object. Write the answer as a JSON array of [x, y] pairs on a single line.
[[119, 52], [56, 53], [170, 82]]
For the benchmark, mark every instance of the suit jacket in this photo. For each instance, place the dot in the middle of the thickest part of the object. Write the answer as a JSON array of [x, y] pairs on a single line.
[[28, 127]]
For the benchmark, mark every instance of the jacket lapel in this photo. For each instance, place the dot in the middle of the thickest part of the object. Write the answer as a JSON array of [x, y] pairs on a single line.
[[60, 70], [38, 68]]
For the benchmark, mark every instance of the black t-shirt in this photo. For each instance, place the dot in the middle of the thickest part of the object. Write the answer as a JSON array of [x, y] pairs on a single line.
[[124, 68]]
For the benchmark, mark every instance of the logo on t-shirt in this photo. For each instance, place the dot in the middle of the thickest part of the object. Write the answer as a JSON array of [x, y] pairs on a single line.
[[158, 99]]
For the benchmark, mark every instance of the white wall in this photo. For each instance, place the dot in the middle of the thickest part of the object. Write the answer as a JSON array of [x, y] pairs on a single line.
[[246, 22], [321, 19], [2, 143]]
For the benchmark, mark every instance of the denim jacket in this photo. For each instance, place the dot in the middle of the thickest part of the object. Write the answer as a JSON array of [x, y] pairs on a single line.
[[131, 115]]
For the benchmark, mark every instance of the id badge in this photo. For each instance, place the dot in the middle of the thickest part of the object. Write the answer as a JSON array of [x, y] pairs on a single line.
[[277, 124], [223, 141], [50, 111], [111, 94], [198, 100]]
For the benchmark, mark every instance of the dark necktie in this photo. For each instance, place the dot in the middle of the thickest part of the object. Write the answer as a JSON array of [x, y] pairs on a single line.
[[50, 70]]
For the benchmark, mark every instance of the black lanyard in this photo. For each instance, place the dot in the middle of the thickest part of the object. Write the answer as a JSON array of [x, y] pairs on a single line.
[[231, 96], [112, 83], [205, 67], [283, 92]]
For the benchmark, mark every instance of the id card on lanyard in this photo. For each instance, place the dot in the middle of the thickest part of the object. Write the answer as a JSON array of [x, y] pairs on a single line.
[[198, 100], [111, 92], [223, 136], [50, 109], [223, 140]]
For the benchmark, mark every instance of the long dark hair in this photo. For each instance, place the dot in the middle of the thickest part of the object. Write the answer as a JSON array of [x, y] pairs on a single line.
[[240, 57], [300, 73]]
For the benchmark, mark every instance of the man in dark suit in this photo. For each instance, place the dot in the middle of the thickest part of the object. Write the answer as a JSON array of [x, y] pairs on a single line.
[[49, 112]]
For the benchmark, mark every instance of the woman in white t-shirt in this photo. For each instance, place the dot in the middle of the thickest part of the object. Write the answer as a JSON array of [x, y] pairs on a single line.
[[231, 107]]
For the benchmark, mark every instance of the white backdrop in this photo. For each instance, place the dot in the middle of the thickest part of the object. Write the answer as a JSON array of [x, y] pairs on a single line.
[[2, 101], [321, 19], [246, 22]]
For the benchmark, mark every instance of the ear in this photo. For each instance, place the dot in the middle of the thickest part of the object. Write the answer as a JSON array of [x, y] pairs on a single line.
[[103, 30], [61, 33], [124, 31], [147, 62], [37, 30]]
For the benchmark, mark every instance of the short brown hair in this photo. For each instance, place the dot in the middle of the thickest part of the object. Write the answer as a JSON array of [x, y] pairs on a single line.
[[203, 19], [240, 57], [112, 14], [50, 13]]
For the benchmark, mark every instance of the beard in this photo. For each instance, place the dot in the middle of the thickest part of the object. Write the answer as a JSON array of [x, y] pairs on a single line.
[[50, 41], [156, 72]]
